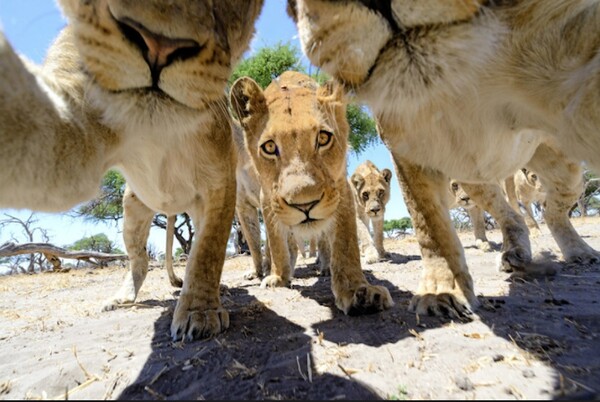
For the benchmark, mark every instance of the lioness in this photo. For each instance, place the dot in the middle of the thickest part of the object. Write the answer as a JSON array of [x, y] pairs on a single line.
[[136, 85], [371, 189], [296, 134], [460, 199], [527, 190], [471, 90]]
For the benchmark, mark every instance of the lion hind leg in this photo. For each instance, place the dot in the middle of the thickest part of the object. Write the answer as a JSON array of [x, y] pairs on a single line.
[[563, 182]]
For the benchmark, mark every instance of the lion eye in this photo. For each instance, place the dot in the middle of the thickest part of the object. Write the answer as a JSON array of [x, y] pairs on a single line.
[[365, 196], [324, 138], [270, 148], [380, 194], [454, 186]]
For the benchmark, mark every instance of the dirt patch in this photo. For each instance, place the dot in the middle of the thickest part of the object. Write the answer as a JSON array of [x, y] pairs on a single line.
[[532, 339]]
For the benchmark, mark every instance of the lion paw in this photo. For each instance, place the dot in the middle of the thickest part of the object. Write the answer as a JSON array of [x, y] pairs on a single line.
[[586, 257], [195, 322], [250, 275], [273, 281], [483, 245], [371, 255], [515, 259], [115, 302], [444, 305], [366, 299], [176, 282]]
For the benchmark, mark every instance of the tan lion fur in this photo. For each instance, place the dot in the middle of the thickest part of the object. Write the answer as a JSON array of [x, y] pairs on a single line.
[[296, 134], [474, 91], [130, 86], [528, 189], [371, 189]]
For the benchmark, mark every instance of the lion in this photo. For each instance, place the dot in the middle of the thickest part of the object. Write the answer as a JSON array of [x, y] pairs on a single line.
[[460, 199], [371, 189], [528, 189], [130, 86], [522, 188], [471, 90], [247, 211], [296, 134]]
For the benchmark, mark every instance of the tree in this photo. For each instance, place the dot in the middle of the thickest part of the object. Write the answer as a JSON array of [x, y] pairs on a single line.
[[109, 205], [268, 63], [397, 227], [30, 232], [588, 201], [184, 229], [98, 242]]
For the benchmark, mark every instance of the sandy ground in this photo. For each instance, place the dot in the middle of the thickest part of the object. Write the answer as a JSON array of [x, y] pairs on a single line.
[[532, 339]]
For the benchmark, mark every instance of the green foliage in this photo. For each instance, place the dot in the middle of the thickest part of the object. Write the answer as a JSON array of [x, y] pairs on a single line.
[[397, 225], [268, 63], [363, 131], [178, 252], [401, 395], [109, 205], [98, 242]]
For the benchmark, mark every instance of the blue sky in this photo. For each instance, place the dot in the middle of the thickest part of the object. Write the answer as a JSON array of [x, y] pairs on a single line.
[[31, 25]]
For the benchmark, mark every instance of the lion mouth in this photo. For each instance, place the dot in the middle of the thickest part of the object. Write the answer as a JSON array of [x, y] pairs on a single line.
[[308, 220]]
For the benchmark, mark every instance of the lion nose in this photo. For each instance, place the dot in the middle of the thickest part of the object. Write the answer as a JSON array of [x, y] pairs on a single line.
[[465, 198], [375, 209], [305, 207], [159, 51]]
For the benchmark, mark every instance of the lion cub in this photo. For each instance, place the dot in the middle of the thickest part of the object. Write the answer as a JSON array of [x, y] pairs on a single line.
[[371, 189], [296, 134]]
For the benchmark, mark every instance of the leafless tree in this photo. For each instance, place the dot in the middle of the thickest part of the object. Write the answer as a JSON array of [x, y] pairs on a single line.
[[29, 232]]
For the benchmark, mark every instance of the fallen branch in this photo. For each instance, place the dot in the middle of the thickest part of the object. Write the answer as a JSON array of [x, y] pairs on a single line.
[[52, 253]]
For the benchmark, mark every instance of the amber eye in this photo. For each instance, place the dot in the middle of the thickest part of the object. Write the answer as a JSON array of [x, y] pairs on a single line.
[[324, 138], [534, 177], [454, 186], [270, 148], [365, 196], [380, 194]]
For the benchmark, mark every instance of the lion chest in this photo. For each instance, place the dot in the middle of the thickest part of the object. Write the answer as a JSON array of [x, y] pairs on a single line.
[[170, 171]]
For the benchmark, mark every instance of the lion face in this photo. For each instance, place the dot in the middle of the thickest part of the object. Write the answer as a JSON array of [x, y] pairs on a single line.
[[458, 196], [532, 179], [371, 189], [296, 134], [161, 52]]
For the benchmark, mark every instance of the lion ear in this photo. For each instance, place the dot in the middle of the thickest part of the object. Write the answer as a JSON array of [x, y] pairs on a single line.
[[246, 99], [357, 181], [387, 174], [331, 91]]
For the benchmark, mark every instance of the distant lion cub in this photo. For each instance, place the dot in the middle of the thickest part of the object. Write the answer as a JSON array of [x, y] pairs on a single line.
[[296, 134], [371, 188]]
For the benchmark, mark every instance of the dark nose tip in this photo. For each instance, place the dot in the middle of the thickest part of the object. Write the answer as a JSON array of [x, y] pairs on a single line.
[[306, 207], [465, 199], [159, 51]]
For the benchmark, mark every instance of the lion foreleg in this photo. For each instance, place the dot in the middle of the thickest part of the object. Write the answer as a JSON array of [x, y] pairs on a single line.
[[50, 159], [563, 181], [353, 293], [199, 312], [279, 248], [137, 218], [478, 221], [516, 248], [446, 287]]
